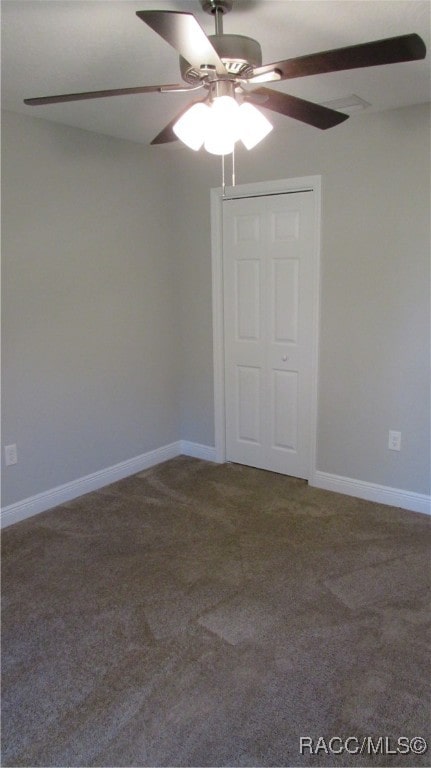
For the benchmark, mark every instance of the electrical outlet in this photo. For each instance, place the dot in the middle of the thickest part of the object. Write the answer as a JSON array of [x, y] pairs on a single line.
[[10, 455], [394, 441]]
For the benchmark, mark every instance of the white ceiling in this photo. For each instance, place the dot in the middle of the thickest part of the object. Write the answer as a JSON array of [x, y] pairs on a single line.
[[51, 47]]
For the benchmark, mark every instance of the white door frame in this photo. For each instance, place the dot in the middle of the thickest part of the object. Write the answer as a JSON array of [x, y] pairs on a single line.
[[257, 189]]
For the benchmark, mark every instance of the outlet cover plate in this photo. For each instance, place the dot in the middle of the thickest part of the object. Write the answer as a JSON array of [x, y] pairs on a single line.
[[394, 440], [10, 455]]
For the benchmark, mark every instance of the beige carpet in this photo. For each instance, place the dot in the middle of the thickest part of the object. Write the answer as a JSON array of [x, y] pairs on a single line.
[[206, 615]]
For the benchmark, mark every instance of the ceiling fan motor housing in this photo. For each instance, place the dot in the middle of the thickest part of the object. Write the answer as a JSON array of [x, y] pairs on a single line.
[[238, 53]]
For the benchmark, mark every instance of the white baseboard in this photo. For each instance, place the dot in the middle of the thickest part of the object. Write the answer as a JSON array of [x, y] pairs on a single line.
[[395, 497], [41, 502], [62, 493], [198, 451]]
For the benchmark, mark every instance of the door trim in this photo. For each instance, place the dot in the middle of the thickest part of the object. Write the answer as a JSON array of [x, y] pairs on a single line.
[[257, 189]]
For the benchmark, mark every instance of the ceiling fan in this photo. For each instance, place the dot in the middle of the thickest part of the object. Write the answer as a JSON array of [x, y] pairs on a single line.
[[229, 69]]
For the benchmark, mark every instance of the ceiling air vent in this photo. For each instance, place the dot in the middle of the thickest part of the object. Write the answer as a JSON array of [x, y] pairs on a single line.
[[350, 103]]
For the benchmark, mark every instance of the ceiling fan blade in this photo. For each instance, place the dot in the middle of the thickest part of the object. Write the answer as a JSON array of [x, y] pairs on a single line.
[[166, 135], [184, 33], [103, 94], [388, 51], [291, 106]]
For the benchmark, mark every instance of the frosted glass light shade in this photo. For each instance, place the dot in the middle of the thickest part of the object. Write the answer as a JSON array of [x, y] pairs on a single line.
[[191, 128], [223, 126], [253, 125], [220, 125]]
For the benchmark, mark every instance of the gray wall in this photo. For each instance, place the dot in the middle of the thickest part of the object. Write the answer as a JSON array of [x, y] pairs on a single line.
[[375, 293], [90, 367], [107, 348]]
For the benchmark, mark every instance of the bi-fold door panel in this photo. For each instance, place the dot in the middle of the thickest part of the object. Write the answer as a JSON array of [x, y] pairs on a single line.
[[267, 258]]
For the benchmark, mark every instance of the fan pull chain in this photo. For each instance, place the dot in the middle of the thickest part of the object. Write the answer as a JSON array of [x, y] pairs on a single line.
[[223, 172]]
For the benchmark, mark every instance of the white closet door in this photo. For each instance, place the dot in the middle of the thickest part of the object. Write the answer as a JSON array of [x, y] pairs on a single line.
[[268, 246]]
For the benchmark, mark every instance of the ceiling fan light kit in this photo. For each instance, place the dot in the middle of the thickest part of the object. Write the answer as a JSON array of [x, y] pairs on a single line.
[[229, 67], [219, 124]]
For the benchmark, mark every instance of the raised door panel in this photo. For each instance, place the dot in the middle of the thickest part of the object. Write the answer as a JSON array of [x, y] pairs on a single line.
[[284, 300], [247, 287], [267, 269], [285, 410], [248, 407]]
